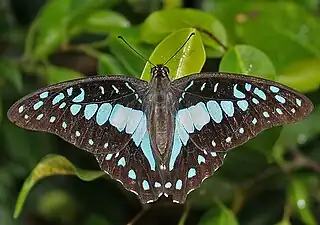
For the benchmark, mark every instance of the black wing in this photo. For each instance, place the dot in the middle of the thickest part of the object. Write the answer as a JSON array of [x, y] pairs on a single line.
[[102, 115], [217, 112]]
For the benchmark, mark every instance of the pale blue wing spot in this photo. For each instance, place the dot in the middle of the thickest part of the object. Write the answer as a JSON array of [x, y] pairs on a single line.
[[201, 159], [184, 118], [64, 125], [75, 109], [175, 150], [132, 123], [255, 101], [40, 116], [58, 98], [21, 108], [298, 101], [179, 184], [191, 172], [247, 87], [77, 133], [132, 174], [228, 139], [147, 151], [274, 89], [119, 117], [69, 91], [44, 94], [62, 105], [241, 130], [213, 154], [52, 119], [184, 136], [265, 114], [254, 121], [214, 111], [90, 110], [199, 115], [80, 97], [260, 93], [38, 105], [280, 99], [157, 184], [279, 111], [168, 185], [103, 113], [237, 93], [91, 142], [140, 131], [227, 107], [122, 162], [109, 156], [243, 105], [145, 185]]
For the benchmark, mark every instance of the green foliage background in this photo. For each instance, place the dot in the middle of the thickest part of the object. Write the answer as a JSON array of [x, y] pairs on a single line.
[[273, 179]]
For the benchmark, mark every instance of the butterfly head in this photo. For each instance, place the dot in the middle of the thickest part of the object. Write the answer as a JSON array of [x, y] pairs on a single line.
[[160, 71]]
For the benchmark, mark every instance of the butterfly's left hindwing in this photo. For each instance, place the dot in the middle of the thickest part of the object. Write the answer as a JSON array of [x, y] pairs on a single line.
[[103, 115], [218, 112]]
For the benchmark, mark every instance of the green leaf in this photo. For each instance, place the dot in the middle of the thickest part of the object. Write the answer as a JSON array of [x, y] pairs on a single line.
[[220, 216], [1, 109], [170, 4], [9, 70], [299, 197], [284, 222], [102, 21], [283, 30], [110, 65], [159, 24], [189, 60], [52, 165], [246, 59], [303, 76], [60, 74]]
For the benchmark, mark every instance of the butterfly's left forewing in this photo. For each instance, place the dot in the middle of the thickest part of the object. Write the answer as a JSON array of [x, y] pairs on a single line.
[[103, 115], [217, 112]]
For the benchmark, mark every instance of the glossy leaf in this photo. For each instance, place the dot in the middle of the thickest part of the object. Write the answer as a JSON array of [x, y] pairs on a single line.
[[299, 197], [9, 70], [246, 59], [283, 30], [102, 21], [219, 216], [303, 76], [60, 74], [49, 166], [159, 24], [189, 60]]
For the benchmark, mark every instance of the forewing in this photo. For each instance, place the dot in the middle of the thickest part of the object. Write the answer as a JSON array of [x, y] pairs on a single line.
[[218, 112], [102, 115]]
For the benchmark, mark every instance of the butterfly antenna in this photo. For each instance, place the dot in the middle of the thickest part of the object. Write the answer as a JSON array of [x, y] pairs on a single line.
[[147, 60], [179, 48]]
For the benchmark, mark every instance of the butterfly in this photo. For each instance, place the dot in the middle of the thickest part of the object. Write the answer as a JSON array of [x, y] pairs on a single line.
[[162, 137]]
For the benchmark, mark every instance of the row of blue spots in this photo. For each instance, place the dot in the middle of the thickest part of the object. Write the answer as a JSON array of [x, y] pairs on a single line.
[[191, 173], [21, 108], [44, 95], [201, 159], [227, 107], [145, 185], [69, 91], [90, 110], [122, 162], [103, 113], [260, 93], [274, 89], [247, 86], [38, 105], [168, 185], [237, 93], [199, 115], [132, 174], [80, 97], [298, 101], [280, 99], [179, 184], [243, 104], [57, 98]]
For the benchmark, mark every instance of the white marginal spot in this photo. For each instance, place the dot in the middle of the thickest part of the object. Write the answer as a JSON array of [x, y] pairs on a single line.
[[77, 133], [255, 101], [63, 104], [213, 143], [21, 108], [26, 117], [106, 145], [101, 89], [168, 185], [279, 111], [254, 121], [109, 156], [266, 114], [90, 142], [298, 101], [64, 125], [116, 89], [52, 119], [293, 110], [162, 167], [189, 86], [39, 117], [214, 154], [215, 88], [241, 130], [157, 184], [128, 86], [203, 86], [228, 139]]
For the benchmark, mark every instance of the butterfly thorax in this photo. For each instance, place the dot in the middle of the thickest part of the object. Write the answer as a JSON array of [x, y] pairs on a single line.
[[160, 111]]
